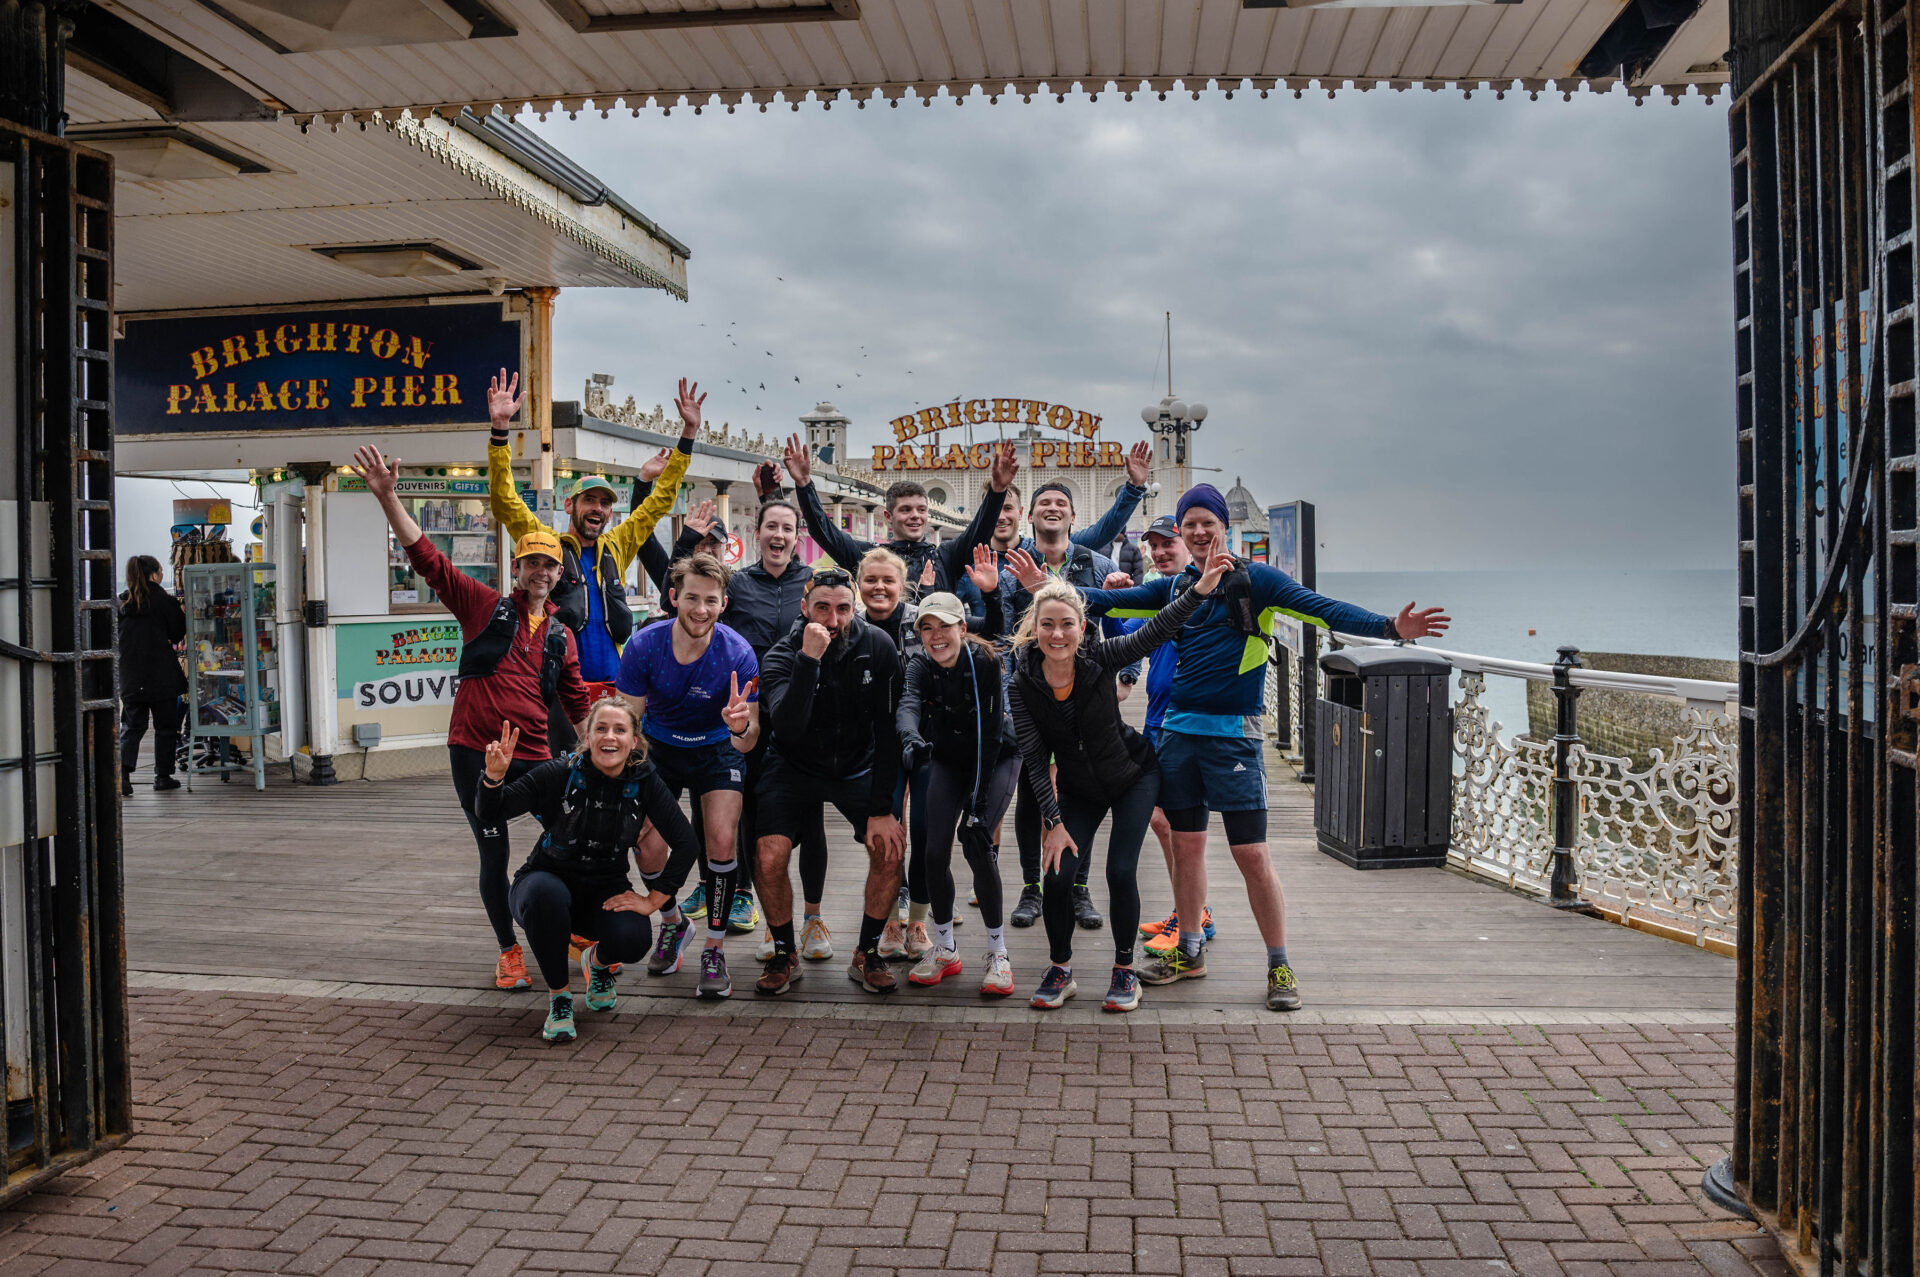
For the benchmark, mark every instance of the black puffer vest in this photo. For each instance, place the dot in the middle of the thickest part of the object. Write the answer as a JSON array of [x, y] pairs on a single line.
[[1098, 754], [599, 822]]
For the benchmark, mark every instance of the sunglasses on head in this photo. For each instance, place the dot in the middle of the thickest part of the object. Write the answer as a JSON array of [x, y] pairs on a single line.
[[829, 578]]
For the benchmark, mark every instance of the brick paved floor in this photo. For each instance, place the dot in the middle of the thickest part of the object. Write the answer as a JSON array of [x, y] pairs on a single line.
[[315, 1135]]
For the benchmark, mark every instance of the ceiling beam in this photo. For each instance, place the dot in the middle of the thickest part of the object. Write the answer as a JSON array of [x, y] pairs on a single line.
[[684, 19]]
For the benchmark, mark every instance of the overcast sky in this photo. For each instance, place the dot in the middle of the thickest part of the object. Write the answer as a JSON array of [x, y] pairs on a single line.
[[1477, 333]]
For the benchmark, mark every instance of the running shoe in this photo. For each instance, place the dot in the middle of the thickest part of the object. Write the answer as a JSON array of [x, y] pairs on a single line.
[[870, 973], [973, 897], [1169, 923], [1083, 911], [1167, 939], [1124, 993], [672, 943], [778, 974], [918, 943], [695, 905], [1175, 964], [744, 916], [600, 994], [901, 903], [714, 981], [816, 942], [1056, 986], [577, 945], [1027, 911], [935, 967], [998, 981], [1283, 991], [510, 970], [893, 940], [559, 1025]]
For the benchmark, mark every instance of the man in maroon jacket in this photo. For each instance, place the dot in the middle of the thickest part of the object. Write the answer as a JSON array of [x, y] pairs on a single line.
[[515, 657]]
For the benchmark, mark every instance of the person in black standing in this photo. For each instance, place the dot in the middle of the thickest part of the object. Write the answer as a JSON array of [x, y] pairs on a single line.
[[151, 680]]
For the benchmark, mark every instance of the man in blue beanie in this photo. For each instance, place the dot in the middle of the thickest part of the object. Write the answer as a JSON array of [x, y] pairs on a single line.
[[1210, 740]]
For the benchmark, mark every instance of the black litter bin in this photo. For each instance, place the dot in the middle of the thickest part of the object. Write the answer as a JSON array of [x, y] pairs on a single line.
[[1383, 792]]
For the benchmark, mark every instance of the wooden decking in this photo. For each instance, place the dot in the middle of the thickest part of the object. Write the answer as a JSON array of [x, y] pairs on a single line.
[[374, 883]]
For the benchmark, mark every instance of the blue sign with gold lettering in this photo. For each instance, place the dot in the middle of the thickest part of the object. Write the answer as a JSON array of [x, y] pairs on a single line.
[[328, 368]]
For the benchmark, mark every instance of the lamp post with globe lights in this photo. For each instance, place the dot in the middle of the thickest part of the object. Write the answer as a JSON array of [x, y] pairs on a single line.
[[1175, 420]]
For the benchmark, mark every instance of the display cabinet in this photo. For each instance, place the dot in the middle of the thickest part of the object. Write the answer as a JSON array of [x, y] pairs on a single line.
[[233, 667]]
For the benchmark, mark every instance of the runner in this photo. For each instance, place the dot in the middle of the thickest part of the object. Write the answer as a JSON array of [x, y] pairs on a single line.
[[686, 676], [1053, 547], [591, 806], [514, 662], [1210, 743], [1098, 535], [883, 590], [907, 512], [830, 687], [958, 744], [1168, 555], [592, 593], [1066, 705]]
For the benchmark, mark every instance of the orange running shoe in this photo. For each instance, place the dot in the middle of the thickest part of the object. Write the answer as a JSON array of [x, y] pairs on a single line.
[[1170, 923], [577, 945], [1171, 936], [510, 972]]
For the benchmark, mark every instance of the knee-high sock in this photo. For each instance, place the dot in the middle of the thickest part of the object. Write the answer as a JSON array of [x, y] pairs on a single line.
[[719, 877]]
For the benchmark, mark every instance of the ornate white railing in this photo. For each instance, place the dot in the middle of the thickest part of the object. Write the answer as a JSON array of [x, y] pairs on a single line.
[[1654, 844]]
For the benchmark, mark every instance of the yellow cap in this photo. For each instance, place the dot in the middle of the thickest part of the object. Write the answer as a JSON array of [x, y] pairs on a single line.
[[538, 541]]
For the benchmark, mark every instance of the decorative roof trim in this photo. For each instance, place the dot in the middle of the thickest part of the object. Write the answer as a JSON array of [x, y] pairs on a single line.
[[960, 92], [500, 184]]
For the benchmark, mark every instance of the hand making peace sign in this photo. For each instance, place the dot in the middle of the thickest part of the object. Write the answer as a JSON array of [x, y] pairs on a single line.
[[500, 752], [738, 714]]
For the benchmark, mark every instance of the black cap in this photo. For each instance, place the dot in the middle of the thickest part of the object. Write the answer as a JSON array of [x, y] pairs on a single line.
[[1164, 526]]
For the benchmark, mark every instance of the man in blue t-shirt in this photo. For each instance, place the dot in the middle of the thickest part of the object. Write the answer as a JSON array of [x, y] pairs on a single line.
[[685, 674], [1210, 740]]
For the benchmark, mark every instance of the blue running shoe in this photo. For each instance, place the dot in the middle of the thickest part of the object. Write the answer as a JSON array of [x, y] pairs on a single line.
[[745, 915], [1123, 994], [1056, 986], [695, 905], [559, 1025]]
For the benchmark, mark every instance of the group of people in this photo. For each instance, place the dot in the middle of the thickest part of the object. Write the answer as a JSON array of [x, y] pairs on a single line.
[[921, 689]]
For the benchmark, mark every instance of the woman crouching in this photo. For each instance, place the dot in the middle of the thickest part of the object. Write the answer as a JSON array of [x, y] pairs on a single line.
[[593, 803]]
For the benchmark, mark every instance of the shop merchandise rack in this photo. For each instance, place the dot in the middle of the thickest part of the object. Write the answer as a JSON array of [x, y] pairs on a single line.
[[233, 668]]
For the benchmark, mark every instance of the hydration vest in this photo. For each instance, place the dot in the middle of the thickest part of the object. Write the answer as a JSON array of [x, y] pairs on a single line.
[[1235, 595], [483, 653]]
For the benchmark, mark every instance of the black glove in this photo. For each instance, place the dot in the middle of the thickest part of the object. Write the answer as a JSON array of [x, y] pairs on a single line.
[[915, 754]]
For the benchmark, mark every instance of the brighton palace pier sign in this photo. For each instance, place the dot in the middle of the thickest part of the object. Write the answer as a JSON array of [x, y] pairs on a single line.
[[1077, 447]]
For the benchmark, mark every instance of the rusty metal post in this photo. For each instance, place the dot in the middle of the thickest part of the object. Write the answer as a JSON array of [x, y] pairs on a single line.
[[1564, 892]]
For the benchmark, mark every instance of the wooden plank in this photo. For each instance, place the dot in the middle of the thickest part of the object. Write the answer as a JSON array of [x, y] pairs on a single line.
[[1420, 708], [1394, 762]]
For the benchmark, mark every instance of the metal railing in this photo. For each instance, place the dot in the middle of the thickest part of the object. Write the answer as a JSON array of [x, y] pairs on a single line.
[[1652, 845]]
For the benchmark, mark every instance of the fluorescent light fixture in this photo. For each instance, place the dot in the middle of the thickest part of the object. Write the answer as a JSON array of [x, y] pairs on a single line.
[[398, 261]]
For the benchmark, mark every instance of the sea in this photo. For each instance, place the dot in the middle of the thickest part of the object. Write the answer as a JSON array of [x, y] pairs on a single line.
[[1528, 616]]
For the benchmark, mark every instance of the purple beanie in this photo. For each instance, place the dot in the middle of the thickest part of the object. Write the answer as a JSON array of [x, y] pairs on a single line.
[[1207, 497]]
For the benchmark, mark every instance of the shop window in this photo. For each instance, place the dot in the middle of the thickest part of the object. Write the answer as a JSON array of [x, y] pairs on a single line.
[[462, 530]]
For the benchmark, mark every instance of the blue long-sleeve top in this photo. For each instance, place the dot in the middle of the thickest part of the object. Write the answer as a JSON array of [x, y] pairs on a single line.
[[1218, 681]]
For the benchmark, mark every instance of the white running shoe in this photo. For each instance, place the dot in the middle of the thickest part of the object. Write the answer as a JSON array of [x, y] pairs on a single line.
[[918, 943], [816, 942], [935, 967], [765, 952], [998, 981], [893, 942]]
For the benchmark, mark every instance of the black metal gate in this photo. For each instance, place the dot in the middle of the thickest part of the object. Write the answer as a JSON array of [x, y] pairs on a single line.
[[63, 1016], [1824, 201]]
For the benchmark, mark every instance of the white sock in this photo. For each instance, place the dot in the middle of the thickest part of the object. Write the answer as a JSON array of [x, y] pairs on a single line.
[[943, 935], [670, 916], [996, 941]]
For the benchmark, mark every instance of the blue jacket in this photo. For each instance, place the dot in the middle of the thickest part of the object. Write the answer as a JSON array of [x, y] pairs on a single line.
[[1221, 672]]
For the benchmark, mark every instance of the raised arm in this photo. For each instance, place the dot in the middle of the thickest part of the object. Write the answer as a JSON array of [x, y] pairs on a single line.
[[958, 552], [636, 529], [509, 511], [1166, 623], [1274, 590], [1107, 529], [845, 550], [537, 792], [381, 477]]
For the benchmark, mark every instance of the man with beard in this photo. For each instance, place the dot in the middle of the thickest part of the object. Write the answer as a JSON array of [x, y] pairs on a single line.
[[1210, 743], [683, 675], [829, 689], [592, 593], [908, 515], [515, 660]]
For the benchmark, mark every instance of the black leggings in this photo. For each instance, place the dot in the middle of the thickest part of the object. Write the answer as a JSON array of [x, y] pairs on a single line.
[[910, 807], [166, 733], [1130, 815], [553, 909], [1026, 832], [469, 765], [930, 867]]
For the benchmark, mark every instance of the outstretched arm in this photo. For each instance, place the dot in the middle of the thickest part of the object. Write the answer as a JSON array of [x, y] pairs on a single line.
[[1167, 622], [1107, 529]]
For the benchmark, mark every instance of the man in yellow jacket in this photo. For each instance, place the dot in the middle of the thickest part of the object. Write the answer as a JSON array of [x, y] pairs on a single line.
[[591, 594]]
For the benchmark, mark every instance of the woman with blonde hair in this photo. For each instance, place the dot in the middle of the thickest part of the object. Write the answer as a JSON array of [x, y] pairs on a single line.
[[593, 804], [1066, 711]]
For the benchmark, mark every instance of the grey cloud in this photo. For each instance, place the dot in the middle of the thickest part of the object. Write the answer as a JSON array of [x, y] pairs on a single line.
[[1477, 333]]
